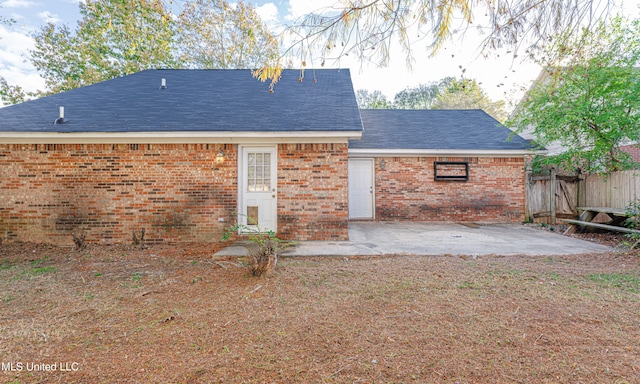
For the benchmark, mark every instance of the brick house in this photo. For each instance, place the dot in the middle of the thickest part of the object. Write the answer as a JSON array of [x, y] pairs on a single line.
[[633, 150], [436, 165], [180, 152]]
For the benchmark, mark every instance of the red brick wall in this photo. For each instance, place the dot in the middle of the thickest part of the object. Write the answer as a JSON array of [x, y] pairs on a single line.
[[313, 195], [175, 192], [406, 190], [633, 150]]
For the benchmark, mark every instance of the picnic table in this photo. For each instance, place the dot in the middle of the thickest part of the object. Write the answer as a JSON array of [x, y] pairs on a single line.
[[617, 218]]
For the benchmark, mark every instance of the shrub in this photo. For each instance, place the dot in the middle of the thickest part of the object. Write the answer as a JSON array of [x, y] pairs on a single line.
[[633, 220], [264, 256]]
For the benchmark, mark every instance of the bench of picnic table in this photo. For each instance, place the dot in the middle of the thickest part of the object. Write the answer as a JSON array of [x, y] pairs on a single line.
[[581, 223], [601, 226], [616, 216]]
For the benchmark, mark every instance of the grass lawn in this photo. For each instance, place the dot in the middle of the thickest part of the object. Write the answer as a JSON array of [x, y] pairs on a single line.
[[173, 314]]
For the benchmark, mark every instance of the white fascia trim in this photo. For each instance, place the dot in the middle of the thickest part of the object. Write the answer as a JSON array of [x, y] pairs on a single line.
[[176, 137], [440, 152]]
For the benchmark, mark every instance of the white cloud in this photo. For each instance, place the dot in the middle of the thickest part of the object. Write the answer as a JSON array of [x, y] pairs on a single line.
[[268, 13], [18, 4], [13, 44], [49, 17], [17, 16], [299, 8], [13, 65]]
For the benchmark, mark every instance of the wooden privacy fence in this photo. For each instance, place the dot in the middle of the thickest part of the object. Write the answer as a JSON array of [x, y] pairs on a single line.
[[540, 207], [615, 190]]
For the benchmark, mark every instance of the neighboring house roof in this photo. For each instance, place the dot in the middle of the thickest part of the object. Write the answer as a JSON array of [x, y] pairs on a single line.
[[194, 106], [432, 131]]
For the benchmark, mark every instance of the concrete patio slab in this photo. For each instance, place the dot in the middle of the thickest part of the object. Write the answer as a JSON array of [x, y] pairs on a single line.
[[378, 238]]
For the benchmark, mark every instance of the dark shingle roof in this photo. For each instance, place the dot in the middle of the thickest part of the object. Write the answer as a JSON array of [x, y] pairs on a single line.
[[435, 129], [196, 100]]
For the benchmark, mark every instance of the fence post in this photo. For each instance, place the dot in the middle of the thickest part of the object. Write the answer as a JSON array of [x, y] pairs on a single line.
[[552, 197], [582, 191], [528, 217]]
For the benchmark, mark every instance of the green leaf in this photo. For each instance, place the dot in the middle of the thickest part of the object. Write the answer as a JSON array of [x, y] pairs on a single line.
[[587, 99]]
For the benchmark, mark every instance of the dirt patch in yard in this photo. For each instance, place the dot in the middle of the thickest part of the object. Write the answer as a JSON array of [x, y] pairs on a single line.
[[174, 314]]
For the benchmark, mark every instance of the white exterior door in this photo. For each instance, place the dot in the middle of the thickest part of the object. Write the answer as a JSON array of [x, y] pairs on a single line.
[[257, 186], [361, 193]]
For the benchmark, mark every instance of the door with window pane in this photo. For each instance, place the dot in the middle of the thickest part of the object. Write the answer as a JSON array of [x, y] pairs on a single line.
[[258, 188]]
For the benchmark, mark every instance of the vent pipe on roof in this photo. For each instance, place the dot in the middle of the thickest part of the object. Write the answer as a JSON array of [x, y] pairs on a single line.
[[163, 84], [60, 119]]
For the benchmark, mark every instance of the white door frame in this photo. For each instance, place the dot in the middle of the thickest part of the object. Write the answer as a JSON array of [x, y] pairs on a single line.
[[373, 189], [242, 187]]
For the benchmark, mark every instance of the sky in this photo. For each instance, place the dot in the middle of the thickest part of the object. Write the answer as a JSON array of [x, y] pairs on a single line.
[[502, 76]]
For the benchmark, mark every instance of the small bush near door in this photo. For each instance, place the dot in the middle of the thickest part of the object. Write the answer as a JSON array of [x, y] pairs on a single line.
[[264, 256]]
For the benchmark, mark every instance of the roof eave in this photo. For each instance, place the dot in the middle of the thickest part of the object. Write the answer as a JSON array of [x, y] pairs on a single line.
[[191, 137], [362, 152]]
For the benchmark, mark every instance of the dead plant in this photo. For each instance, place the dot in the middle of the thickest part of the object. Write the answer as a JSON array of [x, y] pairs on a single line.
[[78, 240], [138, 241], [264, 256]]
